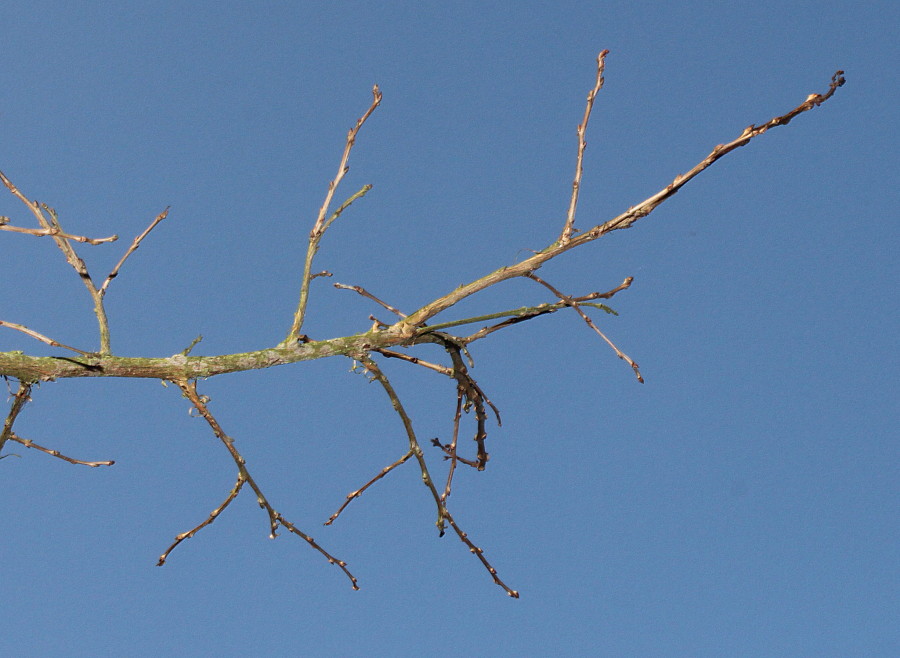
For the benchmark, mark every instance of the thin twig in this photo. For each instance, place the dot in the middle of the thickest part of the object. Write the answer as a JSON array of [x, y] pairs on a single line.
[[20, 399], [577, 307], [189, 388], [44, 232], [479, 553], [356, 494], [528, 312], [566, 234], [468, 391], [365, 293], [59, 236], [448, 453], [443, 512], [548, 308], [194, 343], [41, 337], [474, 397], [372, 367], [318, 229], [450, 449], [28, 443], [444, 370], [134, 245], [353, 197], [212, 517]]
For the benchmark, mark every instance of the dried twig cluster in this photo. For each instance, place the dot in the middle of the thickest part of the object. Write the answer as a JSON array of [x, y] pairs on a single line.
[[384, 339]]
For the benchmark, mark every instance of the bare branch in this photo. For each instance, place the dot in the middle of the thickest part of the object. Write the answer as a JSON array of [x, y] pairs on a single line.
[[28, 443], [134, 245], [450, 449], [449, 453], [43, 232], [184, 370], [479, 553], [337, 213], [189, 388], [443, 513], [60, 237], [318, 229], [21, 397], [474, 397], [444, 370], [415, 321], [343, 168], [235, 490], [575, 305], [648, 205], [194, 343], [365, 293], [371, 366], [582, 144], [356, 494], [41, 337], [529, 312]]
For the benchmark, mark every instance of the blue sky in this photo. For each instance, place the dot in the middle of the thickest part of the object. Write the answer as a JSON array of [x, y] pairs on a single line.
[[741, 502]]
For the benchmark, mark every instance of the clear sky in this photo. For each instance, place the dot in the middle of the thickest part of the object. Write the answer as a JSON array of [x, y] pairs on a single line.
[[743, 501]]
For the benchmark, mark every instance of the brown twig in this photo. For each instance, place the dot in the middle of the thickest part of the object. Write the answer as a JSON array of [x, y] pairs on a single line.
[[408, 327], [444, 370], [479, 553], [41, 337], [28, 443], [44, 232], [323, 221], [548, 308], [20, 399], [63, 242], [527, 313], [569, 226], [212, 517], [134, 245], [450, 449], [356, 494], [475, 398], [577, 307], [443, 512], [448, 453], [365, 293], [189, 388]]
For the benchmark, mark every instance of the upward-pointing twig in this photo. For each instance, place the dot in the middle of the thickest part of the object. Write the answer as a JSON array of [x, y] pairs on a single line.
[[63, 241], [323, 221], [134, 245], [582, 144]]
